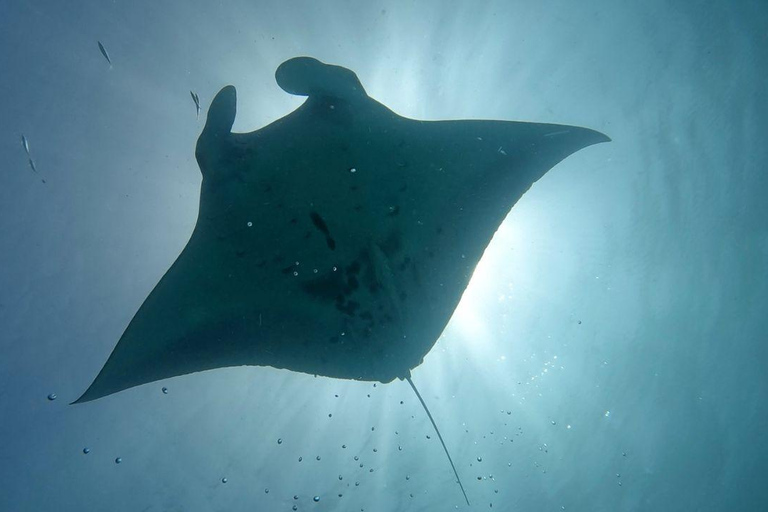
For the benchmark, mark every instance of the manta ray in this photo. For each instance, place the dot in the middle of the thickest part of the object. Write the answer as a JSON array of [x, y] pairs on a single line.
[[336, 241]]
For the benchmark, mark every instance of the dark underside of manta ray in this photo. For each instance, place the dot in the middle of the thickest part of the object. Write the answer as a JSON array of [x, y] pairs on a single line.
[[336, 241]]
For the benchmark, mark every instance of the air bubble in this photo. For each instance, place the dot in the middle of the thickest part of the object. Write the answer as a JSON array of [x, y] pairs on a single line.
[[280, 441], [118, 460], [52, 397], [479, 459], [224, 480], [164, 390], [86, 450], [249, 224], [316, 499]]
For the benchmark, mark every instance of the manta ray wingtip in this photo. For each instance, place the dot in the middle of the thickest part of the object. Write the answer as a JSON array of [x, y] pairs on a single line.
[[89, 395], [81, 400], [603, 138]]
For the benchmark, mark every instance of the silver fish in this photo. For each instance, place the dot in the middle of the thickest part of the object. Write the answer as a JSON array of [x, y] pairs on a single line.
[[104, 52], [34, 168], [196, 99], [25, 143]]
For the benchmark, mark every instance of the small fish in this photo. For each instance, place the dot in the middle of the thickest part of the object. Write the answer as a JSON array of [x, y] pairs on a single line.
[[104, 52], [34, 168], [196, 99], [25, 144]]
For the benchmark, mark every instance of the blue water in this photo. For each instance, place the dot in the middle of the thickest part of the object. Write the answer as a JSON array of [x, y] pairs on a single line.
[[608, 355]]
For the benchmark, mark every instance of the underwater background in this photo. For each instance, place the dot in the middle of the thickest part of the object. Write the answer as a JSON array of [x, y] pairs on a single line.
[[609, 353]]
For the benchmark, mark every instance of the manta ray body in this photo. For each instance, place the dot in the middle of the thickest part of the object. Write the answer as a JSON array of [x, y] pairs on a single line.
[[335, 241]]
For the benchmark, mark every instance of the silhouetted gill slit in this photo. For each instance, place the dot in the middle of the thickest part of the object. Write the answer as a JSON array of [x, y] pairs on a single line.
[[429, 415]]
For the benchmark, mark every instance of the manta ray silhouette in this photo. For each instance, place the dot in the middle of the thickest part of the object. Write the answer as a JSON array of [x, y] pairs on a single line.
[[336, 241]]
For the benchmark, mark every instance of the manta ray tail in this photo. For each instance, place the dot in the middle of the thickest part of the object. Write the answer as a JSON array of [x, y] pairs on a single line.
[[408, 378]]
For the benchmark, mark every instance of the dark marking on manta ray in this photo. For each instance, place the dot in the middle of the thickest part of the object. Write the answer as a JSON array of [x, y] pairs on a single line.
[[254, 315], [320, 224]]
